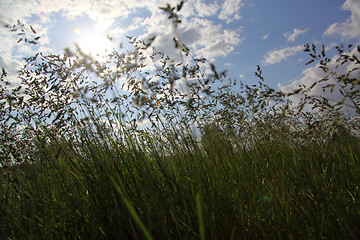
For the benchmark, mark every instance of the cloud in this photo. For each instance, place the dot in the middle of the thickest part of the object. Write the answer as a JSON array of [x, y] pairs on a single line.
[[351, 27], [296, 32], [11, 66], [266, 36], [103, 13], [11, 11], [230, 10], [215, 41], [199, 8], [206, 38], [10, 58], [276, 56], [195, 30]]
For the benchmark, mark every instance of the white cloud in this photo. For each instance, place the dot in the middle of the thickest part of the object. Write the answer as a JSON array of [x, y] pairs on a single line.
[[11, 11], [6, 42], [266, 36], [206, 9], [276, 56], [208, 39], [157, 23], [7, 61], [296, 32], [11, 66], [104, 13], [199, 8], [10, 58], [195, 30], [230, 10], [214, 41], [351, 27]]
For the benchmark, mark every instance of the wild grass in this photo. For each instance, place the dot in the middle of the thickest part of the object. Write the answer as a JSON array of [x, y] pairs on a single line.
[[115, 191], [76, 163]]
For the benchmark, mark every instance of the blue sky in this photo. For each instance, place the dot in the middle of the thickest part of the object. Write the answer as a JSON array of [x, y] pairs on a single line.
[[236, 35]]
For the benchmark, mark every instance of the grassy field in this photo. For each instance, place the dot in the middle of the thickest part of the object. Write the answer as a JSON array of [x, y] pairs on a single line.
[[111, 190]]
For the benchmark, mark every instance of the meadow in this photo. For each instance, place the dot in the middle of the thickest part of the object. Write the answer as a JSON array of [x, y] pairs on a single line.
[[118, 150]]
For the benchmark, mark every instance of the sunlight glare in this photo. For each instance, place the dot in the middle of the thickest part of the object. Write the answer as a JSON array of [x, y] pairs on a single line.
[[95, 43]]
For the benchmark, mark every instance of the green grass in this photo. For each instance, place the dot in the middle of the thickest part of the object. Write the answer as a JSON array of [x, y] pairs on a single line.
[[111, 190]]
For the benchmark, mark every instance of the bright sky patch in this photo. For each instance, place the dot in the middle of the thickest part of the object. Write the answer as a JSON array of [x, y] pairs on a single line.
[[94, 43]]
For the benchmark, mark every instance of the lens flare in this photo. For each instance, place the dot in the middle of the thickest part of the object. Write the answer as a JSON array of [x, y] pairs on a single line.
[[76, 30]]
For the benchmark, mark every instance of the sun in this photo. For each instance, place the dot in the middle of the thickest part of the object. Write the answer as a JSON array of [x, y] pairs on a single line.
[[93, 42]]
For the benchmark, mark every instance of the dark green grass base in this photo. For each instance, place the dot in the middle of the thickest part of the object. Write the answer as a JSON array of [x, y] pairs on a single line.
[[113, 191]]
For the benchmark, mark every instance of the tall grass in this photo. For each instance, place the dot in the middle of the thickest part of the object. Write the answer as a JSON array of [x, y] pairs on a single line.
[[77, 164], [113, 191]]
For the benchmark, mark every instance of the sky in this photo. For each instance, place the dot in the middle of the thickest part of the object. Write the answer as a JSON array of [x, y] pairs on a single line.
[[236, 35]]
